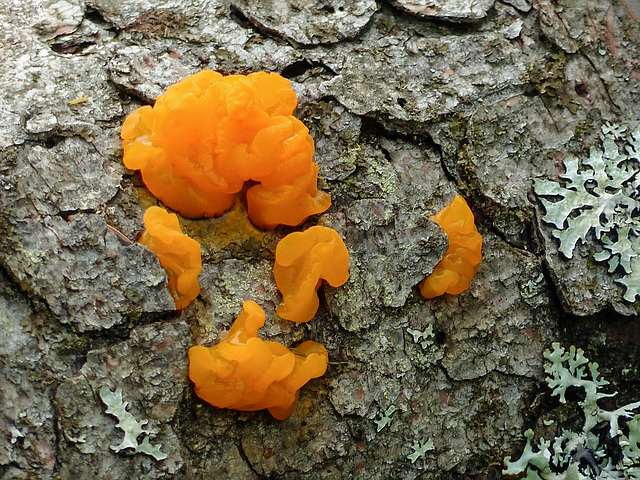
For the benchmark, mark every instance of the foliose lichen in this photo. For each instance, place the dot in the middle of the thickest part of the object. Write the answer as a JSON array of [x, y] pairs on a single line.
[[420, 449], [131, 427], [607, 447], [600, 194], [424, 338], [385, 418]]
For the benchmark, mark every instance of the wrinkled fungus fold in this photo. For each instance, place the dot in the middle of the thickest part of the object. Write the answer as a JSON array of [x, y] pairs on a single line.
[[209, 134], [303, 260], [460, 262], [179, 255], [244, 372]]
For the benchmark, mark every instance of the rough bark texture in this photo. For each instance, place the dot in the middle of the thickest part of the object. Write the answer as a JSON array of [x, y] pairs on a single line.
[[409, 104]]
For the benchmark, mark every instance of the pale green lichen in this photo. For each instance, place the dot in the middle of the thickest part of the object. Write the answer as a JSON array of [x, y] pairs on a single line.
[[600, 195], [131, 427], [533, 286], [424, 338], [607, 446], [420, 449], [385, 418]]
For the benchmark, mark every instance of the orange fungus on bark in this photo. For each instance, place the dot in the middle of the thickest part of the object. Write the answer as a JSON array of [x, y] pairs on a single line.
[[209, 134], [303, 260], [460, 263], [179, 255], [244, 372]]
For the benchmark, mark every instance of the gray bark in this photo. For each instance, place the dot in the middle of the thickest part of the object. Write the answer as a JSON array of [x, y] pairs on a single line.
[[409, 104]]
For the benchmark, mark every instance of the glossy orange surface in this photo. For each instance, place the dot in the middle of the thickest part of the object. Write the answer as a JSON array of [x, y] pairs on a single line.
[[244, 372], [179, 255], [303, 260], [209, 134], [460, 263]]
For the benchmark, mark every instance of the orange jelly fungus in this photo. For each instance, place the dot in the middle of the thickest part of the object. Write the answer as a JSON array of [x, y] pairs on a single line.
[[303, 260], [209, 134], [244, 372], [179, 255], [460, 263]]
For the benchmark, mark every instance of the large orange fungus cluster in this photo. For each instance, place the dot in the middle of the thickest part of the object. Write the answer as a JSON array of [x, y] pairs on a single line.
[[244, 372], [209, 134], [460, 263], [179, 255], [303, 260]]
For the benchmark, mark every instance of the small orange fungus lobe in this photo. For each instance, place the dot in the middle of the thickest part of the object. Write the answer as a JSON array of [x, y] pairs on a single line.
[[460, 263], [244, 372], [179, 255], [209, 134], [303, 260]]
